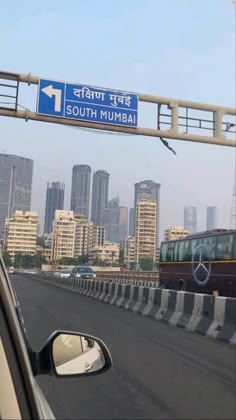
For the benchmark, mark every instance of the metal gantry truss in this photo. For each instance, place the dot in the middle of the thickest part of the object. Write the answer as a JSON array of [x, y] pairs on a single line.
[[175, 119]]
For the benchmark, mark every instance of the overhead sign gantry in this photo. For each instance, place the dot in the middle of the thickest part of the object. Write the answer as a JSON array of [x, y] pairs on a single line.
[[80, 105]]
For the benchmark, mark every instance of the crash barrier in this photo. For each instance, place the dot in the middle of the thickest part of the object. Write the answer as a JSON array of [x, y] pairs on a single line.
[[150, 279], [211, 316]]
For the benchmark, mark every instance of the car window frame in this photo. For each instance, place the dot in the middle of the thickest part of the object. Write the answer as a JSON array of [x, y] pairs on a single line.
[[15, 346]]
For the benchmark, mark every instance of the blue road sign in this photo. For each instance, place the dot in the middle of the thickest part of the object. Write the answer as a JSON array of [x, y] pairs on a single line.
[[87, 103]]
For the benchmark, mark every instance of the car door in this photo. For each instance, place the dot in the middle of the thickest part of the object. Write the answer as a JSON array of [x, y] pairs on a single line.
[[18, 397], [13, 399]]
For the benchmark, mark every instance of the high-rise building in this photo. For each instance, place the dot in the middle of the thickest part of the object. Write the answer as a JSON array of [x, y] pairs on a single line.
[[97, 235], [130, 252], [123, 224], [211, 218], [175, 232], [149, 190], [73, 235], [145, 229], [111, 220], [80, 189], [63, 239], [99, 196], [54, 201], [108, 252], [131, 222], [81, 237], [190, 219], [21, 231], [16, 175]]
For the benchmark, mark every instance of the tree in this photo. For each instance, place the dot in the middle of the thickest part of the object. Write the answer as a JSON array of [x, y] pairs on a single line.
[[38, 259], [68, 261], [113, 254], [7, 259], [23, 260], [82, 259], [18, 260], [40, 241], [146, 264], [122, 257], [132, 266]]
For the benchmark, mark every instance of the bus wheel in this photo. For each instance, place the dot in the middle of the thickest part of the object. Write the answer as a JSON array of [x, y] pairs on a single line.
[[181, 285]]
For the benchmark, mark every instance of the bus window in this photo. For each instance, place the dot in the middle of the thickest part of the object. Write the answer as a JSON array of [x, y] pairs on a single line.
[[170, 252], [224, 247], [210, 244], [194, 243], [164, 252], [181, 251], [234, 247], [187, 251], [176, 251]]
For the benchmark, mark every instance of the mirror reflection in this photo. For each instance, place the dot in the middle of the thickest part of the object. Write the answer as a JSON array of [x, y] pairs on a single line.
[[76, 354]]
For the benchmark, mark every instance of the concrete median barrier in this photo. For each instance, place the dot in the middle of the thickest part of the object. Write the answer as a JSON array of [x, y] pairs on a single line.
[[126, 296], [207, 315], [187, 310], [110, 293], [228, 330], [133, 298], [213, 317]]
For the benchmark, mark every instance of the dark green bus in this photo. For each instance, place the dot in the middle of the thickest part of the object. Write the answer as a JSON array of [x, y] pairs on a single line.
[[204, 262]]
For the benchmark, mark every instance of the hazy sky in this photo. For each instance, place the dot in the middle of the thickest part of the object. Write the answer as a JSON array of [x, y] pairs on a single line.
[[178, 48]]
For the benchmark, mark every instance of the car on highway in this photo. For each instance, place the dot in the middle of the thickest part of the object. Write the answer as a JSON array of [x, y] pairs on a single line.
[[11, 270], [83, 272], [65, 353], [64, 273], [57, 273]]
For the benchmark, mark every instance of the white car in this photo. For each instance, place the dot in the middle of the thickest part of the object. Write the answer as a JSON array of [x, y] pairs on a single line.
[[64, 274], [57, 273]]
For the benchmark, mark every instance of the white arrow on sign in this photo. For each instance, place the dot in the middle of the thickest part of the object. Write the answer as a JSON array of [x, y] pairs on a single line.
[[50, 91]]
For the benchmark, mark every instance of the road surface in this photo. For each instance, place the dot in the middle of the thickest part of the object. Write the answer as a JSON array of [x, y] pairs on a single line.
[[160, 372]]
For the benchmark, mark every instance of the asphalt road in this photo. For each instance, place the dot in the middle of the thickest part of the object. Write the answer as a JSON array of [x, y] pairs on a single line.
[[159, 372]]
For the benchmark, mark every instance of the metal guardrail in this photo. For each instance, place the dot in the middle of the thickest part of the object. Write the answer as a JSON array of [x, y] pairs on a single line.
[[128, 277], [136, 278]]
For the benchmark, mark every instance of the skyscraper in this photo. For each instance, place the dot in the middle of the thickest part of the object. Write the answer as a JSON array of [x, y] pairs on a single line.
[[190, 219], [21, 231], [123, 224], [145, 229], [131, 222], [80, 190], [111, 220], [148, 190], [16, 175], [54, 201], [99, 196], [211, 218]]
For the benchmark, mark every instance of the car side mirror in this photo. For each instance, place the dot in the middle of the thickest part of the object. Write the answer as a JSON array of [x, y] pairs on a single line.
[[73, 354]]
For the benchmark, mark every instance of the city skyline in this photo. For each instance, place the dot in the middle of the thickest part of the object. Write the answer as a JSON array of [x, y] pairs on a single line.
[[130, 209]]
